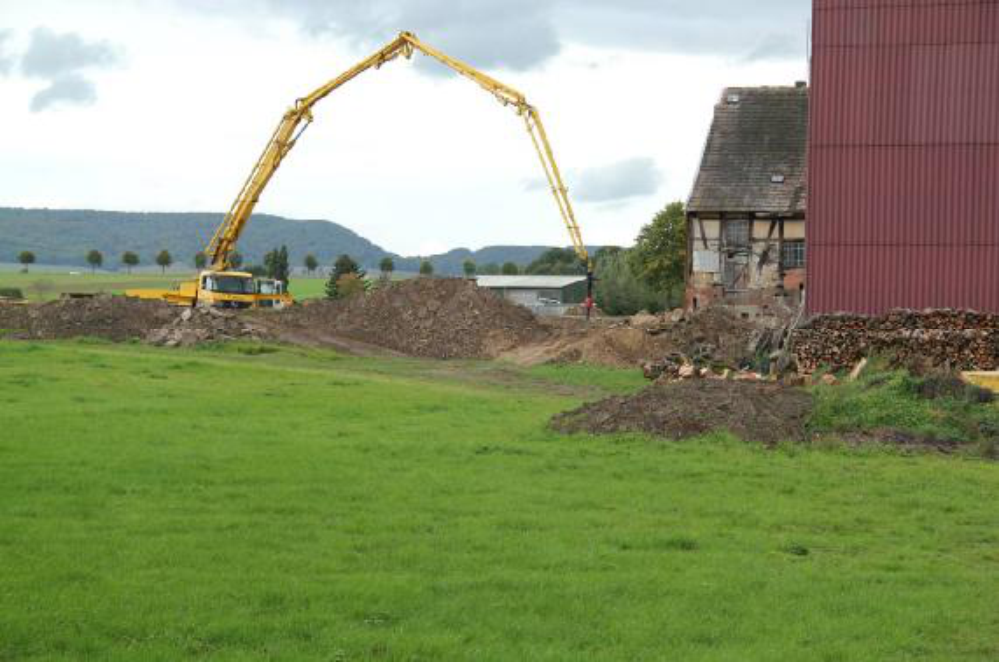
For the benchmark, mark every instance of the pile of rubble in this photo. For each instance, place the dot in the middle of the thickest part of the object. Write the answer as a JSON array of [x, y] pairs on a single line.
[[717, 336], [960, 340], [194, 326], [444, 318]]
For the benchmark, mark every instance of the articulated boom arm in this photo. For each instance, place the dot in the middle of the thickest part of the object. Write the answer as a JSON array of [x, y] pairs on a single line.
[[297, 119]]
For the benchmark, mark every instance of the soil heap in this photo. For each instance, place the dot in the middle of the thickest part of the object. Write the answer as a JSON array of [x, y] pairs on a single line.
[[768, 413], [110, 317], [444, 318], [120, 318]]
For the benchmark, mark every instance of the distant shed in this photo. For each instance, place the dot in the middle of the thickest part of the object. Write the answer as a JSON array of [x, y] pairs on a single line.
[[538, 291]]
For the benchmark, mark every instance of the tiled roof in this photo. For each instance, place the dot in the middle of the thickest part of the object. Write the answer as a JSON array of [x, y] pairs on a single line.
[[759, 135]]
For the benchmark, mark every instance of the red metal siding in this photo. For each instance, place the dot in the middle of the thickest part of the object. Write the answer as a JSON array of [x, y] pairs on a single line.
[[903, 206]]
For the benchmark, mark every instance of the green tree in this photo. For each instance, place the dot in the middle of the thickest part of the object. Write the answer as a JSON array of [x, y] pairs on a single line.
[[164, 260], [256, 270], [510, 269], [311, 263], [200, 260], [557, 262], [659, 257], [619, 290], [95, 259], [469, 267], [490, 269], [344, 265], [26, 258], [130, 259], [235, 259], [348, 285], [386, 266], [426, 268], [276, 264]]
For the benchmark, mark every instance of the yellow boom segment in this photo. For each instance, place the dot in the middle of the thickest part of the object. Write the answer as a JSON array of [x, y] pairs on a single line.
[[297, 119]]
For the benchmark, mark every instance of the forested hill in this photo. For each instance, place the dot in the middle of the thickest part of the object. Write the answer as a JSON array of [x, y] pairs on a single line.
[[63, 237]]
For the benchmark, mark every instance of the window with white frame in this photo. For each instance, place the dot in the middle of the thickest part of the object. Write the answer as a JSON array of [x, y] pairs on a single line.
[[793, 254]]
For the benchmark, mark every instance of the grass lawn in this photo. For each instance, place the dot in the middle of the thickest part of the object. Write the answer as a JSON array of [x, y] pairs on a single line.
[[253, 503], [45, 285]]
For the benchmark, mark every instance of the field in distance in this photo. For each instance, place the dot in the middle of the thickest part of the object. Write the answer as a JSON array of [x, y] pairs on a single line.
[[259, 502], [39, 285]]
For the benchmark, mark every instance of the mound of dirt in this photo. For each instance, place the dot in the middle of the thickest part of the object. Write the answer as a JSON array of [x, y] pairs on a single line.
[[444, 318], [119, 319], [767, 413], [113, 318]]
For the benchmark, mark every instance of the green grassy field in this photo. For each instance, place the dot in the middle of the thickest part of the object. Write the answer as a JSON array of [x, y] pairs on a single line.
[[47, 285], [273, 503]]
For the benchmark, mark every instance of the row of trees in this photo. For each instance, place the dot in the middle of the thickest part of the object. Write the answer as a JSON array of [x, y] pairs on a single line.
[[96, 259], [276, 262]]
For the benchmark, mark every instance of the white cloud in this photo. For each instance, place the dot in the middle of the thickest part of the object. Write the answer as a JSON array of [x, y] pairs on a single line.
[[6, 61], [71, 89], [60, 59]]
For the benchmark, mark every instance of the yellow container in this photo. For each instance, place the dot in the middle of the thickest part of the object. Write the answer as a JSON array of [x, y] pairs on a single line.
[[989, 380]]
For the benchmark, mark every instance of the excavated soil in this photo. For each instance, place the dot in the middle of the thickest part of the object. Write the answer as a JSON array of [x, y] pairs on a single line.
[[121, 318], [721, 337], [767, 413], [445, 318], [113, 318]]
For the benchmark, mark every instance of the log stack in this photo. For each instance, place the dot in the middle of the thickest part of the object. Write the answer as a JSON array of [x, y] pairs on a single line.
[[959, 339]]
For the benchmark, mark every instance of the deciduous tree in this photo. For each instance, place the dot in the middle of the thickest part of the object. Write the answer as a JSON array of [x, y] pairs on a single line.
[[130, 259], [164, 260], [95, 259], [660, 253], [26, 258]]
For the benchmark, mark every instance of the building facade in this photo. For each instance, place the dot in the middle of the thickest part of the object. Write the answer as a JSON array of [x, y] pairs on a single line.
[[904, 155], [746, 213]]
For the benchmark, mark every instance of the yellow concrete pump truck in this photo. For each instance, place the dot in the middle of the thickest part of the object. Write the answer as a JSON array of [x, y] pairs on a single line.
[[220, 286]]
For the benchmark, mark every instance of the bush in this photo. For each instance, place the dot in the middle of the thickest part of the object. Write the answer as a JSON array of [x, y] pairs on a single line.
[[11, 293]]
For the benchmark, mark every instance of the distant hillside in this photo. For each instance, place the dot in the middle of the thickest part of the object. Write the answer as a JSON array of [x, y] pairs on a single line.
[[63, 237]]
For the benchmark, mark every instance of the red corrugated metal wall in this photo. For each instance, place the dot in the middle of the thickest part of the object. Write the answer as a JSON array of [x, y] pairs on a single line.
[[903, 190]]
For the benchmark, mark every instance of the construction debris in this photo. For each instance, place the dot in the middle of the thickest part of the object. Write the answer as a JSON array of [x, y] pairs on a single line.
[[768, 413], [962, 340], [195, 326]]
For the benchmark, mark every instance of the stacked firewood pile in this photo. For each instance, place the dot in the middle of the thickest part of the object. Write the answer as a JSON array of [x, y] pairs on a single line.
[[959, 339]]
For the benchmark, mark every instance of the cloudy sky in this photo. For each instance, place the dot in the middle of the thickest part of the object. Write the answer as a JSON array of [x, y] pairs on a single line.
[[164, 105]]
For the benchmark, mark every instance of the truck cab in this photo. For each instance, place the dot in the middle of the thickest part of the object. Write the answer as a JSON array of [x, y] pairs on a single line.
[[226, 289]]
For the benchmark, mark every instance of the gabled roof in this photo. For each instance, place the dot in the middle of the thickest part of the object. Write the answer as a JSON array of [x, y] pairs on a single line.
[[759, 135], [529, 282]]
